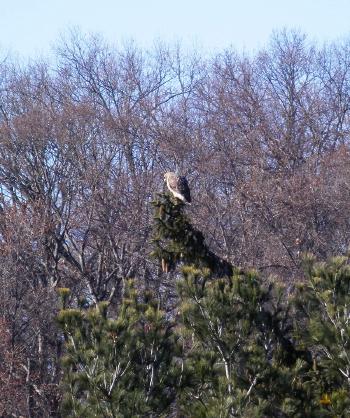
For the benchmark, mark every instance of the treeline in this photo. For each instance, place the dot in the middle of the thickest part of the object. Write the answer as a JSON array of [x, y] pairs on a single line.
[[84, 142]]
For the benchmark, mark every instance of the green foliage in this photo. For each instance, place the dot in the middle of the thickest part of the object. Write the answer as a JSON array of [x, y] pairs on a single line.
[[239, 348], [176, 240], [325, 304], [118, 367]]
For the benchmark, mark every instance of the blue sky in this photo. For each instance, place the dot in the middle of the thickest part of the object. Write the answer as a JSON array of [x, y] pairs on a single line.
[[31, 27]]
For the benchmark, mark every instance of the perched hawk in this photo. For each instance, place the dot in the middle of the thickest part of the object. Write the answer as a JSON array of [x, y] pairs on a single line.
[[178, 186]]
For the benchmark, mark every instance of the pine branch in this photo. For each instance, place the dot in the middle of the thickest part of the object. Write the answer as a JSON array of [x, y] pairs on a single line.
[[176, 240]]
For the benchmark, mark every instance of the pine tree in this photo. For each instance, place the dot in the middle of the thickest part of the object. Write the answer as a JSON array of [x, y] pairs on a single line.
[[236, 346], [241, 359], [119, 367], [177, 241], [237, 333], [324, 326]]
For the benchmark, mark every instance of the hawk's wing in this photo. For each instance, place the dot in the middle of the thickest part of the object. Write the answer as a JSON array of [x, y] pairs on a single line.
[[184, 189]]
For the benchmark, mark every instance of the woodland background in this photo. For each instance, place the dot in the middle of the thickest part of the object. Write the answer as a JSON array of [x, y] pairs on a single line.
[[85, 140]]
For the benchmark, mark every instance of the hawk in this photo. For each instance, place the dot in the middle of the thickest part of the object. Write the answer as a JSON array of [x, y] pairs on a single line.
[[178, 186]]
